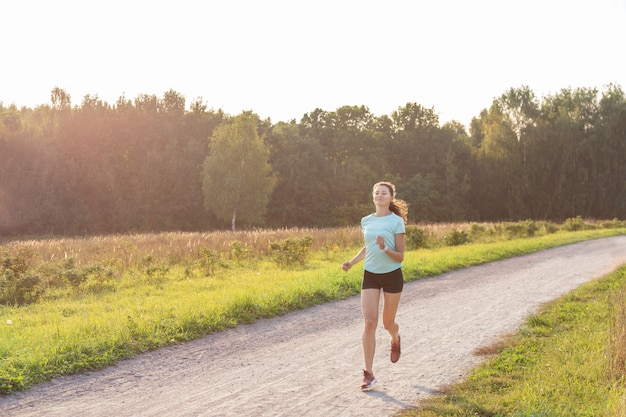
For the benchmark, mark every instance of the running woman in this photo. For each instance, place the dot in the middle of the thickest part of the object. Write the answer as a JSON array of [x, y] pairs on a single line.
[[383, 253]]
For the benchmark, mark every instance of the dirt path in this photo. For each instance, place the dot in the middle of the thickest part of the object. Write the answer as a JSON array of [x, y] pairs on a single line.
[[308, 363]]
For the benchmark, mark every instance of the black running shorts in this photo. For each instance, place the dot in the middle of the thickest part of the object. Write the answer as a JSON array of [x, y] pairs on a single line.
[[391, 282]]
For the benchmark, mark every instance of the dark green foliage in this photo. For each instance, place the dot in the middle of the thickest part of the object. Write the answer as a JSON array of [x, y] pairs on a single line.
[[237, 177], [137, 165]]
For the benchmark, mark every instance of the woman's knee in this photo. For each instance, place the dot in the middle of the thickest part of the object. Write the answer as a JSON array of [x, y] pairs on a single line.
[[370, 324], [389, 325]]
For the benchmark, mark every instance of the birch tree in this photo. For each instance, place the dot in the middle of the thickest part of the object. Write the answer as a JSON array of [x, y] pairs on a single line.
[[237, 175]]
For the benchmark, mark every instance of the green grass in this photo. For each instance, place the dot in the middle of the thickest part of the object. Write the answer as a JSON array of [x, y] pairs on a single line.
[[140, 312], [562, 362]]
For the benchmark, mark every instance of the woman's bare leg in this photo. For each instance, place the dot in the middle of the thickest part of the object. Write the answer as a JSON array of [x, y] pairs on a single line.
[[390, 307], [370, 299]]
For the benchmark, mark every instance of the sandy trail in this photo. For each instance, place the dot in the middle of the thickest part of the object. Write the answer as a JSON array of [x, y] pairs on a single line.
[[308, 363]]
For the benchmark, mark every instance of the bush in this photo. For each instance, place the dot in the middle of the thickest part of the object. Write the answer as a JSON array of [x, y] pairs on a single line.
[[574, 224], [238, 253], [209, 261], [477, 230], [18, 284], [549, 227], [291, 251], [416, 238], [613, 224], [527, 228], [93, 277], [155, 271], [456, 238]]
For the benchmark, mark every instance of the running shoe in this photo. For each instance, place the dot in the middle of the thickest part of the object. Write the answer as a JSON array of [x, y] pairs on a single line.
[[368, 380], [395, 351]]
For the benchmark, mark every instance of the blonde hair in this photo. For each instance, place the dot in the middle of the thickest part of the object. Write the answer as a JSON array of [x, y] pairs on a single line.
[[397, 206]]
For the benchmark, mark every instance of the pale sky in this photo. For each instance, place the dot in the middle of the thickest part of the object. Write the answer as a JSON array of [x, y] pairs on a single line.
[[284, 58]]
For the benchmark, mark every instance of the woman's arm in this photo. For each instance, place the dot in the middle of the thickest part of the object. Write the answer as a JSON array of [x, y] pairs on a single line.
[[357, 258], [397, 254]]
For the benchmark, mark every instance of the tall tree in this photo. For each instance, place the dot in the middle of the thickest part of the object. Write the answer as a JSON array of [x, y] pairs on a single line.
[[499, 160], [568, 118], [237, 175], [301, 198], [611, 181], [414, 148]]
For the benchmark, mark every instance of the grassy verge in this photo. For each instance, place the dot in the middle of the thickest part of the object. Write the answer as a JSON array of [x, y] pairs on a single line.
[[143, 309], [567, 360]]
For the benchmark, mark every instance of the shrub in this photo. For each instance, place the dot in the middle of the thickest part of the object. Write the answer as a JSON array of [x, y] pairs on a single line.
[[238, 253], [18, 284], [291, 251], [549, 227], [456, 238], [613, 224], [209, 261], [526, 228], [416, 237], [155, 271], [574, 224], [93, 277], [530, 227], [477, 230]]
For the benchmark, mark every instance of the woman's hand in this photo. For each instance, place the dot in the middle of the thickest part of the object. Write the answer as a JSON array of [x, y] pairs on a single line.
[[358, 258], [380, 241]]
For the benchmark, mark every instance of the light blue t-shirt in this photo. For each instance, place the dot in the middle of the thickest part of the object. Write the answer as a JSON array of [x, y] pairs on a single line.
[[376, 261]]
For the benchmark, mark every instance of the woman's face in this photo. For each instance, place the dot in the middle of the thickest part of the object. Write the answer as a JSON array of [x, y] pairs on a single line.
[[382, 196]]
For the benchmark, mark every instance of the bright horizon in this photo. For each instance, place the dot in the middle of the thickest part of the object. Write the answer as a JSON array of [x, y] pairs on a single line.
[[282, 60]]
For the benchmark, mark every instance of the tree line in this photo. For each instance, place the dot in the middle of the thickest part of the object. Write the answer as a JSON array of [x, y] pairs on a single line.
[[156, 163]]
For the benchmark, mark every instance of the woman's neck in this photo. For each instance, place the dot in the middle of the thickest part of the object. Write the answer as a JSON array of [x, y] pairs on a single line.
[[382, 211]]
